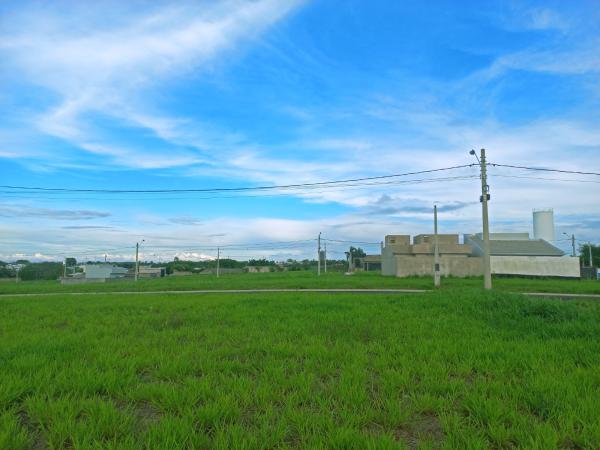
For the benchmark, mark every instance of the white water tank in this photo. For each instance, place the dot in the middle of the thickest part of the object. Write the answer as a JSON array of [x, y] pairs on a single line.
[[543, 224]]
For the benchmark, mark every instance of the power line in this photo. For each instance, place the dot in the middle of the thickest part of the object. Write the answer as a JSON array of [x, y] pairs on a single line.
[[545, 179], [236, 189], [542, 169], [351, 242]]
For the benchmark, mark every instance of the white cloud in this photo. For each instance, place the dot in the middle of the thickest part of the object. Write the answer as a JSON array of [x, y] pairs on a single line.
[[104, 68], [583, 59], [545, 19]]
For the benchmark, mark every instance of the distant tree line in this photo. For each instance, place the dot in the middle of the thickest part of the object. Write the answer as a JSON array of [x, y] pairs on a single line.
[[54, 270], [41, 271]]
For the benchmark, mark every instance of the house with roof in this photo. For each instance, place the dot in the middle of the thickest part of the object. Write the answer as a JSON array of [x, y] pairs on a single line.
[[510, 254], [402, 258], [518, 254], [104, 272]]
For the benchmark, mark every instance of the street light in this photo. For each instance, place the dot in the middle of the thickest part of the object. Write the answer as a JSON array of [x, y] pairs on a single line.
[[484, 198], [137, 261], [572, 242]]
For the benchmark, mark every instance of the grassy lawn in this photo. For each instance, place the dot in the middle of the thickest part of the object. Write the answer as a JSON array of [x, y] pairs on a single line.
[[452, 369], [305, 279]]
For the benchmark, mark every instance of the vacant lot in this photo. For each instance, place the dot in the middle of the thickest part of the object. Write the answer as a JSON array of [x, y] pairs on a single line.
[[453, 369], [304, 279]]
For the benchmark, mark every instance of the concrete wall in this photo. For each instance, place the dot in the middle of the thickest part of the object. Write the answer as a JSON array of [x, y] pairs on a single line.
[[222, 271], [397, 239], [430, 239], [258, 269], [98, 271], [388, 261], [541, 266], [450, 265], [396, 262], [94, 271], [82, 280]]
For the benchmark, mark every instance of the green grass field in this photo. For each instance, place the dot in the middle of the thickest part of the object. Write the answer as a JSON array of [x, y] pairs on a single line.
[[305, 279], [458, 368]]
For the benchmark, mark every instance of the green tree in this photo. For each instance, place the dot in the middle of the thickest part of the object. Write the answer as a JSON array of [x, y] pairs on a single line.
[[5, 272], [41, 271], [584, 251], [70, 262]]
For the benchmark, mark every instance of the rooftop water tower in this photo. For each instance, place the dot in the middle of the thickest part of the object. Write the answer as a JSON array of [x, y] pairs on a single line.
[[543, 224]]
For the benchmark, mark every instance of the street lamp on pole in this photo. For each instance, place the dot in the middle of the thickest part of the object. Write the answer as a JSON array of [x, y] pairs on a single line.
[[572, 242], [137, 259], [484, 198]]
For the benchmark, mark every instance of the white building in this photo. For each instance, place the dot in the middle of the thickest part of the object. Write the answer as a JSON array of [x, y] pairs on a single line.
[[517, 254], [104, 271]]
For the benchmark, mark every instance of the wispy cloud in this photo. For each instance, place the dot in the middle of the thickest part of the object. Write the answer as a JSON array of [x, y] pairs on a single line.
[[100, 67], [56, 214]]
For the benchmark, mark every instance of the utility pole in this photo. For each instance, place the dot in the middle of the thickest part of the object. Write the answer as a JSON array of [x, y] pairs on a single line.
[[350, 261], [485, 197], [325, 257], [590, 253], [572, 243], [65, 268], [319, 254], [137, 262], [436, 250], [218, 260]]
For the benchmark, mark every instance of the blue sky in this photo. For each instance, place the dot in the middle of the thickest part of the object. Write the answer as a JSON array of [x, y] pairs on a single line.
[[134, 95]]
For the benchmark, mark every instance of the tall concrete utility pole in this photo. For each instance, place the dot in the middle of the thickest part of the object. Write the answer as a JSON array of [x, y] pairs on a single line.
[[485, 197], [573, 254], [590, 253], [319, 254], [218, 260], [436, 250], [137, 265], [350, 261], [325, 257], [137, 260], [65, 268]]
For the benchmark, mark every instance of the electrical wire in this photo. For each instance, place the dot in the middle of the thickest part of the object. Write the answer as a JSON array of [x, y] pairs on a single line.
[[351, 242], [543, 169], [307, 191], [543, 178], [236, 189]]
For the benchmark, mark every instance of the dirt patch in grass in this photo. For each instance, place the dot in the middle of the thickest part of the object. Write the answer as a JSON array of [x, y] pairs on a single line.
[[146, 413], [38, 440], [61, 325], [424, 428]]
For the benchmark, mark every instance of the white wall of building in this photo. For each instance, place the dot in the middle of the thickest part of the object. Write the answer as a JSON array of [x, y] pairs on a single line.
[[541, 266]]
